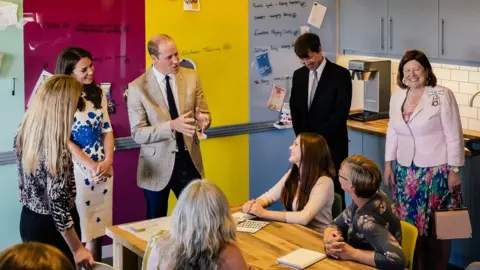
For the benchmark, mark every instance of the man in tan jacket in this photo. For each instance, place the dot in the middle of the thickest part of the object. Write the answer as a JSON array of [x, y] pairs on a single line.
[[164, 104]]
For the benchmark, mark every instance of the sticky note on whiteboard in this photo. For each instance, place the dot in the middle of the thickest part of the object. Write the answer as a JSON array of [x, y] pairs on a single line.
[[317, 15]]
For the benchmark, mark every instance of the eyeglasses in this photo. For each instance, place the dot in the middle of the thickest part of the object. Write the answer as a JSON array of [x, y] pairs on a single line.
[[344, 178]]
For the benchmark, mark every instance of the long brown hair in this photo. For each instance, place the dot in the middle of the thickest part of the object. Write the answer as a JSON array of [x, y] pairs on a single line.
[[315, 162], [66, 62]]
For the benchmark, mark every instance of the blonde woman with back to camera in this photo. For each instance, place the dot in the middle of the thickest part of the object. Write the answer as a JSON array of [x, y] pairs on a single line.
[[202, 234], [45, 170]]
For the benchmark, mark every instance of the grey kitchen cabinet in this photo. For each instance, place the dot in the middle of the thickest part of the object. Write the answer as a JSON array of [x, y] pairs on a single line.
[[355, 145], [461, 248], [459, 24], [363, 25], [413, 24]]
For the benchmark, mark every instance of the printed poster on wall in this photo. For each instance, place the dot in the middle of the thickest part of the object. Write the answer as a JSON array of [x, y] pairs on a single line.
[[276, 98], [191, 5]]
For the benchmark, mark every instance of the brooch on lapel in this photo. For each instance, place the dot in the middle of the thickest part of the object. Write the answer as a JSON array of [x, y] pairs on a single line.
[[435, 94]]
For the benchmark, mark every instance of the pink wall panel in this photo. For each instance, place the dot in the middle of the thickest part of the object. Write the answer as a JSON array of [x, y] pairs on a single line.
[[114, 32]]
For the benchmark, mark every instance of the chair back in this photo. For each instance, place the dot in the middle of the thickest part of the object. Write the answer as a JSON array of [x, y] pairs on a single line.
[[337, 205], [409, 240]]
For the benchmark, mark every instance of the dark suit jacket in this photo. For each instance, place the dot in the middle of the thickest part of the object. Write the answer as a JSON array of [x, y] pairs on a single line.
[[329, 110]]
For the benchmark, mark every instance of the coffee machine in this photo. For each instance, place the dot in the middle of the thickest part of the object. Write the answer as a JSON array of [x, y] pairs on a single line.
[[376, 82]]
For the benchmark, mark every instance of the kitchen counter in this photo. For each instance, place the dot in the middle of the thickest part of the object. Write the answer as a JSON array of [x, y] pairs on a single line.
[[379, 128]]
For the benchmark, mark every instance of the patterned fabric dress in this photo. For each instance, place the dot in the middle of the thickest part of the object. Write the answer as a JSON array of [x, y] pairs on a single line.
[[419, 192], [94, 200]]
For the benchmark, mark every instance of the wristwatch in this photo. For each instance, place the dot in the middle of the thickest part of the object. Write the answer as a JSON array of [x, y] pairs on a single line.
[[454, 169]]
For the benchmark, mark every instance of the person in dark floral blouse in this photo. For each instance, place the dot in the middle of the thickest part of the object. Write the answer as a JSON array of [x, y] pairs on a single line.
[[45, 170], [367, 231]]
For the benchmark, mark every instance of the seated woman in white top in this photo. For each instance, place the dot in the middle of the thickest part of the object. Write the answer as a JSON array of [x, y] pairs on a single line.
[[306, 190], [202, 234]]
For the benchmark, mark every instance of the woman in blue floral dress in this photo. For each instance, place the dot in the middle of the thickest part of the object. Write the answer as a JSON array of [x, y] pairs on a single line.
[[92, 144]]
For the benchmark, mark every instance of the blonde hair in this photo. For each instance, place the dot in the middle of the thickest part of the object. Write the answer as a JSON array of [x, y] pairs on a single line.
[[364, 175], [47, 124], [34, 256], [202, 226]]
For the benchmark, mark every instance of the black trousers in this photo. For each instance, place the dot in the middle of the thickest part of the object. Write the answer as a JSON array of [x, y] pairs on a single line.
[[36, 227], [184, 172]]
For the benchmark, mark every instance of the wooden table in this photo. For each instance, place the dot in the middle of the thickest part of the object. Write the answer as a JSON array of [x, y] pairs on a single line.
[[259, 250]]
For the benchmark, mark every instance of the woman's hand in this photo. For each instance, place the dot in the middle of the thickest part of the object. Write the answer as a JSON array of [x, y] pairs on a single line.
[[332, 235], [103, 167], [388, 175], [83, 258], [453, 181], [257, 209], [247, 206], [343, 251]]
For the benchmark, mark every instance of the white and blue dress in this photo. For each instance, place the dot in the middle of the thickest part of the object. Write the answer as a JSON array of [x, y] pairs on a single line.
[[94, 200]]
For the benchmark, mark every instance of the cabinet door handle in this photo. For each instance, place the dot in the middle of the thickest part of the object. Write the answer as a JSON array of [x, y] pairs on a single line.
[[13, 86], [381, 33], [391, 31], [443, 33]]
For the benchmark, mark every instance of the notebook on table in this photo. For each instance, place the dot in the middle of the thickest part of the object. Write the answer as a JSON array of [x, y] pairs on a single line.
[[301, 258]]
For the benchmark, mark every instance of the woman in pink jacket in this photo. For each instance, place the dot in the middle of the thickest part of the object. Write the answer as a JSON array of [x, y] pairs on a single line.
[[425, 137]]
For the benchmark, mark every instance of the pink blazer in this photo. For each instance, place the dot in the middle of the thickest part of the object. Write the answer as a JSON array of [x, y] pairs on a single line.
[[433, 135]]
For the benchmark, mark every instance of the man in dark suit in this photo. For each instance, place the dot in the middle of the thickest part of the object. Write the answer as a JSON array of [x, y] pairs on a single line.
[[320, 99]]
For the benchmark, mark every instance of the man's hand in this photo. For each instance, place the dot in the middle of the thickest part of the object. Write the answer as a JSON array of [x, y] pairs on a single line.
[[202, 119], [183, 124]]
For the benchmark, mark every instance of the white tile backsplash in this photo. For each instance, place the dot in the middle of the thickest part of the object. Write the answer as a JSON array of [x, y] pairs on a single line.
[[468, 68], [468, 88], [468, 112], [452, 85], [442, 73], [459, 75], [464, 122], [473, 124], [474, 77], [450, 66], [464, 81], [462, 99]]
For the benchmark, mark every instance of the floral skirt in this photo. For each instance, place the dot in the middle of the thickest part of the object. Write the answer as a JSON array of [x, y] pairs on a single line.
[[421, 191]]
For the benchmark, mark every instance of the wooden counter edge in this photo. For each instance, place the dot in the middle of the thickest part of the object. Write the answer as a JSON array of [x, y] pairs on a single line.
[[379, 128]]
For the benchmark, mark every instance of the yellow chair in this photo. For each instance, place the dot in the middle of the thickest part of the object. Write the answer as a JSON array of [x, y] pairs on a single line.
[[409, 240]]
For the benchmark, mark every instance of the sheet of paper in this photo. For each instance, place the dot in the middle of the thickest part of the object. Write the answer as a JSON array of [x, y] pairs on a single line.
[[8, 14], [43, 76], [191, 5], [304, 29], [317, 14], [148, 228], [277, 96]]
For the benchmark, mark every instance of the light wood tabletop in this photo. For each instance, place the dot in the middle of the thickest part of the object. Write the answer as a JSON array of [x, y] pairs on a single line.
[[260, 249]]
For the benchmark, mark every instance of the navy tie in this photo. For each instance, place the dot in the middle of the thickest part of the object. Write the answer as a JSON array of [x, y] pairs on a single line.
[[174, 113]]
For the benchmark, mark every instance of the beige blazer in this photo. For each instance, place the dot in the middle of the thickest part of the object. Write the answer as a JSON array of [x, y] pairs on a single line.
[[149, 124]]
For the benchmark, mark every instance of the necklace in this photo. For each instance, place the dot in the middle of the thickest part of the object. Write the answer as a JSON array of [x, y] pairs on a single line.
[[409, 104]]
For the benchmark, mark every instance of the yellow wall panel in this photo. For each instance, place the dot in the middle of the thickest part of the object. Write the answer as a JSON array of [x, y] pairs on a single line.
[[215, 38]]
